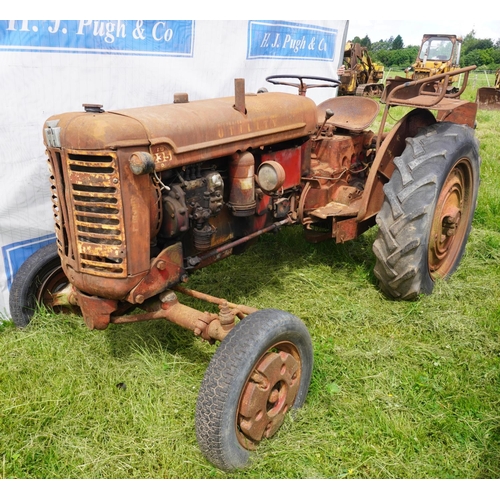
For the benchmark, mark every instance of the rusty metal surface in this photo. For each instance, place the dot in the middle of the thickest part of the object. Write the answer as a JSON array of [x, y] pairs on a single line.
[[449, 229], [338, 171], [335, 153], [97, 131], [268, 395], [390, 84], [245, 310], [462, 115], [350, 113], [209, 326], [166, 270], [241, 178], [183, 133], [346, 230], [97, 212], [429, 92], [186, 133], [127, 232], [196, 261], [370, 90], [488, 98], [291, 159], [239, 95], [335, 209], [103, 241], [170, 309], [96, 311], [392, 146]]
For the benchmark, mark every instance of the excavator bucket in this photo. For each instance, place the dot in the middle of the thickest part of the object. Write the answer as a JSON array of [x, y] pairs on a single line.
[[488, 98]]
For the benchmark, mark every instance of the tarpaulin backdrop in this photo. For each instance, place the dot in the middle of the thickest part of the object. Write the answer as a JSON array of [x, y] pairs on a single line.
[[50, 67]]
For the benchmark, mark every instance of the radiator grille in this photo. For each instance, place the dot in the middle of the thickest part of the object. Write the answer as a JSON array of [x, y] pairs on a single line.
[[97, 213], [58, 206]]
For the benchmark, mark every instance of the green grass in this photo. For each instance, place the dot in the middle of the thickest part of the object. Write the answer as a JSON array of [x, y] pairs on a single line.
[[399, 389]]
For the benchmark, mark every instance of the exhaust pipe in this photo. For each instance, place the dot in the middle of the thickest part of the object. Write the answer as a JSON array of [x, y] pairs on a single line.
[[239, 95]]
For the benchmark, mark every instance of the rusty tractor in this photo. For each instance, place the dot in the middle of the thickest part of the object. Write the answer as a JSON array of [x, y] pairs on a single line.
[[144, 197]]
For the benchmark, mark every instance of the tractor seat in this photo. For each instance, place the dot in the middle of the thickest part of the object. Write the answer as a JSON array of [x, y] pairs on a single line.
[[350, 112]]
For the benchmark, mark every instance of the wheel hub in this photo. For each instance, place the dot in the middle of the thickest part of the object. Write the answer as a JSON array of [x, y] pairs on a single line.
[[48, 289], [448, 231], [270, 392]]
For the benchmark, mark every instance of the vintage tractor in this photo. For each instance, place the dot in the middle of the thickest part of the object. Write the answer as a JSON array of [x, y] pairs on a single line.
[[143, 197], [361, 76]]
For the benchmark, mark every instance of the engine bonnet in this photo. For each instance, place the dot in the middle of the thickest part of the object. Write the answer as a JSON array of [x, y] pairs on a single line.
[[188, 131]]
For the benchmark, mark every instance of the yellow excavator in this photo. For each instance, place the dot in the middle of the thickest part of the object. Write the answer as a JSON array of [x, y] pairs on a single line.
[[360, 75], [438, 54], [489, 97]]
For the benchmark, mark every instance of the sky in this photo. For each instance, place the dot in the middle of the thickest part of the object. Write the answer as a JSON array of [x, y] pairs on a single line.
[[411, 31]]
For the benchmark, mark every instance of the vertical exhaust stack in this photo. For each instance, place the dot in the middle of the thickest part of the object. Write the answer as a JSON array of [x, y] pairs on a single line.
[[239, 95]]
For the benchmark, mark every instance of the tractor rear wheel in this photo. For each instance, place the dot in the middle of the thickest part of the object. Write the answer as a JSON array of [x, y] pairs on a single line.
[[260, 372], [427, 213], [38, 278]]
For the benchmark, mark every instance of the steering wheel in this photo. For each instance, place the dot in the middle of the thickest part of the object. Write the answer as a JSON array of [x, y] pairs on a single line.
[[303, 86]]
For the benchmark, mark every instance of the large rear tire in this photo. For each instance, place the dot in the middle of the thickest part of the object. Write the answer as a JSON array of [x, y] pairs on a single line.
[[38, 278], [261, 371], [426, 217]]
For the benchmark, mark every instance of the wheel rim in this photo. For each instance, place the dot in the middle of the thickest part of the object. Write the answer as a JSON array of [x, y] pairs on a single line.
[[268, 394], [451, 220], [50, 285]]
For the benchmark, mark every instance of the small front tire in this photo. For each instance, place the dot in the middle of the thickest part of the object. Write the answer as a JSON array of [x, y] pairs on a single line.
[[261, 371]]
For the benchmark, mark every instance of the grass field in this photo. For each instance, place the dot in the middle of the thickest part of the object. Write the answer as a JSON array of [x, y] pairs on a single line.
[[399, 389]]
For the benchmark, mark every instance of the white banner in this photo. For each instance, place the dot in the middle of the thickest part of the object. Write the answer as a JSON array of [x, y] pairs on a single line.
[[50, 67]]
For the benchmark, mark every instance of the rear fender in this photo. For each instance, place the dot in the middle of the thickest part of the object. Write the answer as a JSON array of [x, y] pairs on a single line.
[[383, 166]]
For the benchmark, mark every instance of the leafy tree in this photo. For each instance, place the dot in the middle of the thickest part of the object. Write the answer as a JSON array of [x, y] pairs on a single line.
[[401, 58], [482, 52], [366, 42], [470, 37], [397, 43], [477, 57], [470, 43], [381, 45]]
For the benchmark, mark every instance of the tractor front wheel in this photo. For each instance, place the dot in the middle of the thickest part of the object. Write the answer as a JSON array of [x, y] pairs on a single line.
[[259, 373], [427, 213]]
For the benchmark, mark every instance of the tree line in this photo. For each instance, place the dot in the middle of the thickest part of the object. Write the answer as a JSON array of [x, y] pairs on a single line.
[[481, 52]]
